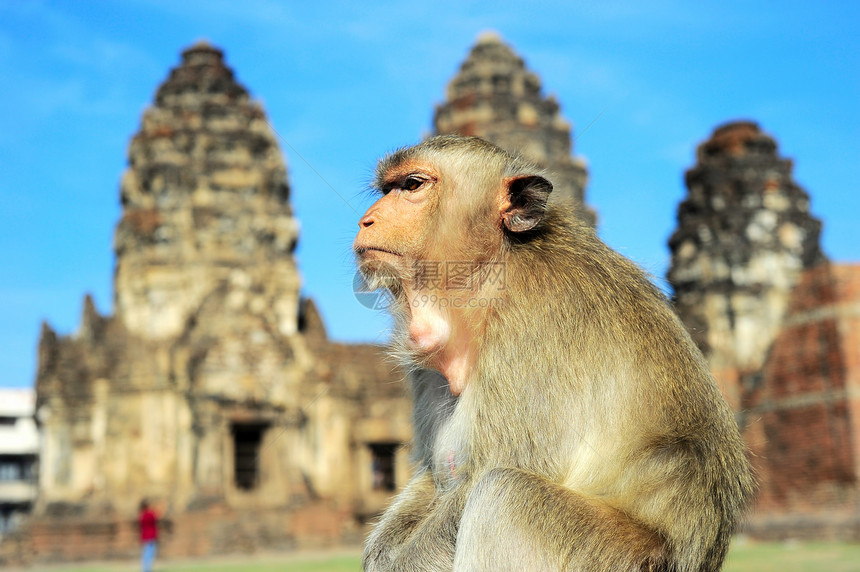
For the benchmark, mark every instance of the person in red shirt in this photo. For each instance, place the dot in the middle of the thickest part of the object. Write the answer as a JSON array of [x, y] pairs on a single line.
[[148, 535]]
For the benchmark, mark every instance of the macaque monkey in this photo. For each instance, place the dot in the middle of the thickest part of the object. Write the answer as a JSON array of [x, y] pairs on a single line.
[[576, 426]]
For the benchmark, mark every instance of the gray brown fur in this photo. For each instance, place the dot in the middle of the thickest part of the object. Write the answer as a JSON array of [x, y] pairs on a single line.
[[590, 436]]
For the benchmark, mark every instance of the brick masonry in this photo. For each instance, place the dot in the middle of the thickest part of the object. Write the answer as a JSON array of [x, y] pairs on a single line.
[[802, 412]]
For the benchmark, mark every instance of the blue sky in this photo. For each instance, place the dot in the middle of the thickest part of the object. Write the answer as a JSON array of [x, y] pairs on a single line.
[[343, 82]]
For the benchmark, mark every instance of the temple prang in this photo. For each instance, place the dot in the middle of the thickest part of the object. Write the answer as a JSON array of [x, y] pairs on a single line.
[[780, 327], [745, 234]]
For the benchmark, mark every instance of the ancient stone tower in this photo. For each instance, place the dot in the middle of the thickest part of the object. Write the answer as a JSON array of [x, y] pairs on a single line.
[[496, 97], [205, 193], [204, 341], [744, 236], [212, 390], [780, 326]]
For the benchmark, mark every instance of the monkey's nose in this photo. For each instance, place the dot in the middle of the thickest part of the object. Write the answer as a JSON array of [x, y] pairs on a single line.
[[365, 221]]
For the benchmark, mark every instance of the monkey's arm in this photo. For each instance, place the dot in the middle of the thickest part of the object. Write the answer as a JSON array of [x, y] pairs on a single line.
[[398, 522], [517, 520]]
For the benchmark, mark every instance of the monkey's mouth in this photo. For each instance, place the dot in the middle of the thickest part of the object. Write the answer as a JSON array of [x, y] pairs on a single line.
[[377, 267], [373, 251]]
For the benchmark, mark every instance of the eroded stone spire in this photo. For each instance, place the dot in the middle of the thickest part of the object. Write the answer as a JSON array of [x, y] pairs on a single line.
[[205, 201], [496, 97], [744, 236]]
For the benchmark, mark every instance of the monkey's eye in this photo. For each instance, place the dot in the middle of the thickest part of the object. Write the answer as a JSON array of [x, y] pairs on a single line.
[[408, 183], [412, 182]]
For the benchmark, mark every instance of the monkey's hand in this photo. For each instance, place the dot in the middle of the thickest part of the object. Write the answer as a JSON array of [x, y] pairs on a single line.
[[398, 523], [518, 520]]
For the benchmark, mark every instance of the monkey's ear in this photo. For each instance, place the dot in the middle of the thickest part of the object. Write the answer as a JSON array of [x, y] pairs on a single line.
[[526, 202]]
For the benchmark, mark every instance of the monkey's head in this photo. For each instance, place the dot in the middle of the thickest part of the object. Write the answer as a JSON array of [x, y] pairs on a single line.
[[448, 205]]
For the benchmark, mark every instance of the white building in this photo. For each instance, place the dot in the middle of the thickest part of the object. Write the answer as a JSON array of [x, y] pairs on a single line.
[[19, 453]]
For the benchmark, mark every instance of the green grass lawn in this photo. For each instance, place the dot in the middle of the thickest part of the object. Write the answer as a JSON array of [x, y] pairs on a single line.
[[287, 562], [318, 564], [793, 557], [745, 556]]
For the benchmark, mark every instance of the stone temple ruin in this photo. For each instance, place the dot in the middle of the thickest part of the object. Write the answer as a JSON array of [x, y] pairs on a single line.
[[214, 392], [780, 326], [744, 236]]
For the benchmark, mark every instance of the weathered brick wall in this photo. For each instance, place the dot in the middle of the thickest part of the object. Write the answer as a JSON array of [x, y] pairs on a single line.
[[803, 411]]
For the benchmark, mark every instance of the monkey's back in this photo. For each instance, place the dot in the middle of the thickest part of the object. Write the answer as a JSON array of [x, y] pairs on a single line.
[[621, 402]]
